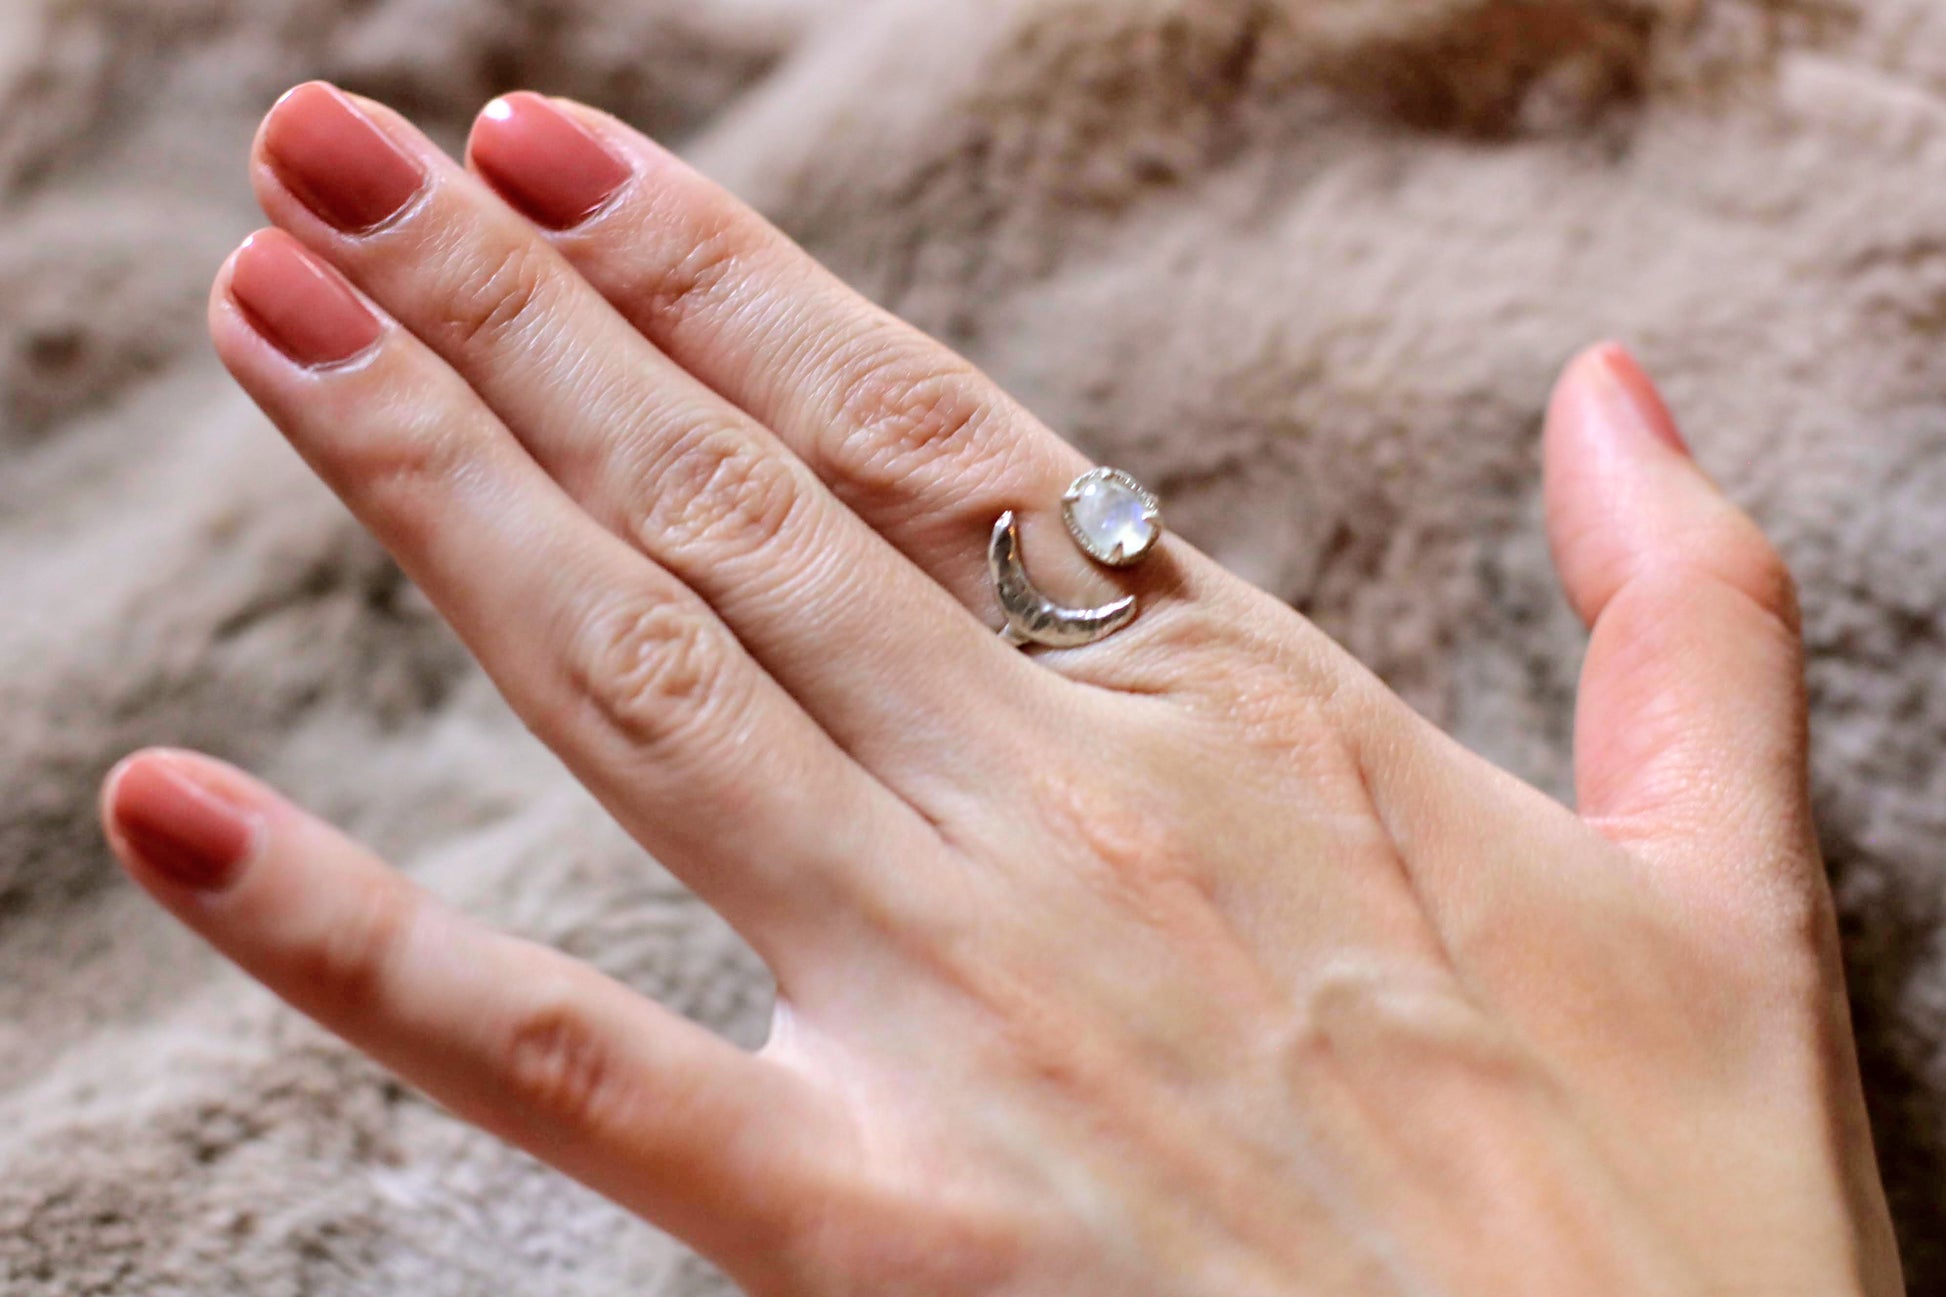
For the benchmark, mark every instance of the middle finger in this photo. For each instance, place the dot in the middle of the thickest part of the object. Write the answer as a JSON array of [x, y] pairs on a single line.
[[878, 652]]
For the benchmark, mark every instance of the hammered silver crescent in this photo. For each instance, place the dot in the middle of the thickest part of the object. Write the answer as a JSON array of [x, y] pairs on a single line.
[[1033, 618]]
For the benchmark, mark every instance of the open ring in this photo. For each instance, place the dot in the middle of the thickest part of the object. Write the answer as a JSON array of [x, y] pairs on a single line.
[[1116, 521]]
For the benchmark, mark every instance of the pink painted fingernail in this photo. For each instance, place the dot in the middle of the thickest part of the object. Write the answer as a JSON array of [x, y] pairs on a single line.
[[302, 306], [544, 162], [1630, 399], [336, 159], [171, 815]]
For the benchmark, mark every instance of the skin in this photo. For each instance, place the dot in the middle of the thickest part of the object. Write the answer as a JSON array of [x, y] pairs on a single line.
[[1190, 962]]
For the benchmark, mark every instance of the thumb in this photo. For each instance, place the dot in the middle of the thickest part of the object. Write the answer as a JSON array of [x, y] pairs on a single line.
[[1690, 731]]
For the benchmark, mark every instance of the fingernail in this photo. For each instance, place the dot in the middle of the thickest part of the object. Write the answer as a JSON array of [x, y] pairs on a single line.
[[179, 823], [1631, 399], [544, 162], [302, 306], [337, 161]]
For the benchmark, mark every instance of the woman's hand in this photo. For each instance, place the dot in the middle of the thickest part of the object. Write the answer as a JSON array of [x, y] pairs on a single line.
[[1190, 962]]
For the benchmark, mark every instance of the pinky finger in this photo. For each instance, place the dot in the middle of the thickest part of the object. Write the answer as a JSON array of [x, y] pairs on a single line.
[[637, 1102]]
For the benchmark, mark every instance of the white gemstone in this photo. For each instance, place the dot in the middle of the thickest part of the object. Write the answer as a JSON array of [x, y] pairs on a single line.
[[1112, 518]]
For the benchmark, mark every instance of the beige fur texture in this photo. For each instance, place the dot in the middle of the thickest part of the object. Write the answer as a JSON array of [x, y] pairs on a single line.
[[1305, 266]]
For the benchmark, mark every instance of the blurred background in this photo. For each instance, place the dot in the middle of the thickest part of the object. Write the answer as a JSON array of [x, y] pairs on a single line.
[[1305, 266]]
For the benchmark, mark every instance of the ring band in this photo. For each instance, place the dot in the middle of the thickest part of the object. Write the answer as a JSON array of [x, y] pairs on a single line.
[[1116, 521]]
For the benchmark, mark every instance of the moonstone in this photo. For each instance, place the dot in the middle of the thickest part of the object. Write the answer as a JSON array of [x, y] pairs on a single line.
[[1112, 517]]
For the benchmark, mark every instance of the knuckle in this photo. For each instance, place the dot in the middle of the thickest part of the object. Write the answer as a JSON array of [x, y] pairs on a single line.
[[696, 277], [1362, 1021], [1735, 552], [348, 962], [649, 668], [902, 415], [559, 1064], [495, 302], [721, 491], [396, 475], [1766, 578]]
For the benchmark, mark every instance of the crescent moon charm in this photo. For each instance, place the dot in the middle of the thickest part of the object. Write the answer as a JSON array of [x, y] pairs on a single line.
[[1033, 618]]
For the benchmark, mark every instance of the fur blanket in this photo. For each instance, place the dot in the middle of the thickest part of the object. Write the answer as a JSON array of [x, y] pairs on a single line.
[[1306, 266]]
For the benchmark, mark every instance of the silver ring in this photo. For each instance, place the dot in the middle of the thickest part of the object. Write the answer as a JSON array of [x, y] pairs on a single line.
[[1116, 521]]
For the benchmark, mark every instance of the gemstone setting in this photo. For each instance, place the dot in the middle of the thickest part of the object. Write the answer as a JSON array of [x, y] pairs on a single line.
[[1112, 516]]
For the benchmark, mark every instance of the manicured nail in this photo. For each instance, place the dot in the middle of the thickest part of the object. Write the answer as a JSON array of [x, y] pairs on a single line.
[[1630, 399], [337, 161], [169, 813], [544, 162], [302, 306]]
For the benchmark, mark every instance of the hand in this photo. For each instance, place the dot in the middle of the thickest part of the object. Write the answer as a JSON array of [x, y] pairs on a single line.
[[1189, 962]]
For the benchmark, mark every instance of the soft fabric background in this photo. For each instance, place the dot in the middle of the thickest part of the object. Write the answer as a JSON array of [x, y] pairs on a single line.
[[1306, 266]]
